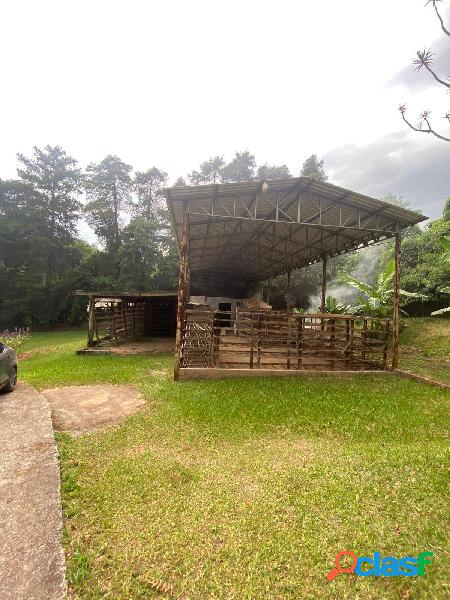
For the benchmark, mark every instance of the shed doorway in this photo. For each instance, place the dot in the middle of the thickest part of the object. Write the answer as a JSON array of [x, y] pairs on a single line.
[[225, 314]]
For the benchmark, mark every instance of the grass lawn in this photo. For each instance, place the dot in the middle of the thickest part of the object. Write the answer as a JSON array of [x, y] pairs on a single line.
[[425, 348], [247, 489]]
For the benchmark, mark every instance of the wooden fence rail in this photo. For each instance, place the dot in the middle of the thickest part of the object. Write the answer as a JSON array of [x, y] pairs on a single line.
[[283, 340]]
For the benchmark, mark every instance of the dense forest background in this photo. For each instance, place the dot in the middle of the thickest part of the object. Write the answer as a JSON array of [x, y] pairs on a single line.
[[43, 259]]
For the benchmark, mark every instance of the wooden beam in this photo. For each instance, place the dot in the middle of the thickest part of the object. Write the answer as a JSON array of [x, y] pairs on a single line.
[[396, 302], [324, 284], [91, 321], [182, 295]]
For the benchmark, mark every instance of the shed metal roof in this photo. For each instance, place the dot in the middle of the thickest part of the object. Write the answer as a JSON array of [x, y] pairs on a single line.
[[254, 230], [118, 295]]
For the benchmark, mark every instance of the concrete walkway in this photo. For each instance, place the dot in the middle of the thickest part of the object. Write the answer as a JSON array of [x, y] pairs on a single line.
[[31, 555]]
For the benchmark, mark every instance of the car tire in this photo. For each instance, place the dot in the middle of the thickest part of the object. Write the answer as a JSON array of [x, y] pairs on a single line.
[[12, 381]]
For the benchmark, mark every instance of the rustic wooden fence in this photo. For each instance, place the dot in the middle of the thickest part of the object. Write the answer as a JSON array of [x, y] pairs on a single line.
[[119, 320], [284, 340]]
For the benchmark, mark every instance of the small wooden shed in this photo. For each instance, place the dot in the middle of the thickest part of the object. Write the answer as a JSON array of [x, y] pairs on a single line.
[[117, 316], [234, 236]]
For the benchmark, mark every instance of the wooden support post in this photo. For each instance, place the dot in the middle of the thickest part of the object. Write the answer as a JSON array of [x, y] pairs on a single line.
[[269, 290], [213, 346], [182, 295], [299, 341], [352, 338], [396, 302], [91, 321], [324, 284], [363, 338], [332, 342], [386, 343], [251, 339], [258, 343], [124, 312], [347, 344], [324, 291], [288, 294], [288, 342]]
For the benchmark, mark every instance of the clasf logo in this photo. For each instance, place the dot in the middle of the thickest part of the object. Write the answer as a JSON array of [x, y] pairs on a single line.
[[389, 566]]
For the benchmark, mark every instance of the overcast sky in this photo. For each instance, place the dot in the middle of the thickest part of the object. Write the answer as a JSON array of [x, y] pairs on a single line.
[[170, 83]]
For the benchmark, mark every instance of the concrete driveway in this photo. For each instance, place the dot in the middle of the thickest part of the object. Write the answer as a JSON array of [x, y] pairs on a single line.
[[31, 555]]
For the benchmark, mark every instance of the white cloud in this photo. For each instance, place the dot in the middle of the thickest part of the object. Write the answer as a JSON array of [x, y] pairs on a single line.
[[400, 163], [170, 83]]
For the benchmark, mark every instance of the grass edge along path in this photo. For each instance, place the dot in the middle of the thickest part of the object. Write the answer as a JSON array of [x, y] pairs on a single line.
[[249, 488]]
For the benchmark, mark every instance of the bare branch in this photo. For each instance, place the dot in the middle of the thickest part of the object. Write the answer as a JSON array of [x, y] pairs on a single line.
[[434, 3], [424, 117], [425, 59]]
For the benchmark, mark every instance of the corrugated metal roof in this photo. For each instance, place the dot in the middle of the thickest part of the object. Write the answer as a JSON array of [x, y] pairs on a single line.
[[112, 295], [259, 229]]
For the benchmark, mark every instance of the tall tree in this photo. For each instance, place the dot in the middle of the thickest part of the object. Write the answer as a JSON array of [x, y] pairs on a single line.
[[35, 265], [180, 182], [272, 172], [56, 181], [108, 190], [424, 60], [313, 167], [149, 186], [53, 180], [446, 211], [241, 168], [211, 171], [139, 254]]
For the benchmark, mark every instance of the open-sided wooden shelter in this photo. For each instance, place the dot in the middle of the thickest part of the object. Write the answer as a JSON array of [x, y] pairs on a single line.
[[120, 316], [233, 236]]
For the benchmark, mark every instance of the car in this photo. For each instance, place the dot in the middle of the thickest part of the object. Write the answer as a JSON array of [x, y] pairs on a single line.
[[8, 368]]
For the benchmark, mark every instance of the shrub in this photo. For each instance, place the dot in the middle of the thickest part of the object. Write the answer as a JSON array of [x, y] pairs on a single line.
[[15, 338]]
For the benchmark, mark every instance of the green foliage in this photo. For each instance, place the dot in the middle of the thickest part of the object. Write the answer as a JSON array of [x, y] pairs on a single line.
[[55, 180], [445, 244], [79, 569], [272, 172], [138, 255], [422, 271], [313, 167], [211, 171], [42, 262], [38, 217], [446, 211], [149, 186], [377, 299], [241, 168], [108, 189], [15, 338], [334, 306], [180, 182]]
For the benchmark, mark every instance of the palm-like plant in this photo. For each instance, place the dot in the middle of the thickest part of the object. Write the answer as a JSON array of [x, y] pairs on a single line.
[[334, 306], [377, 299], [445, 243]]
